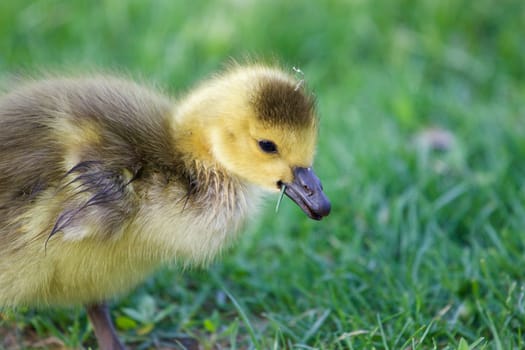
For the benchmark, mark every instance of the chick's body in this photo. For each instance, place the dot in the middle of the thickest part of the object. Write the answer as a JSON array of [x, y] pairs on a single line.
[[95, 193], [103, 180]]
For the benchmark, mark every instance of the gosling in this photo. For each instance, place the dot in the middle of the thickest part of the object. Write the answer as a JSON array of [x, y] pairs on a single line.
[[103, 180]]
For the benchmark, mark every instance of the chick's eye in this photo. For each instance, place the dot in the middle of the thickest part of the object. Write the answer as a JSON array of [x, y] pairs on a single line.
[[268, 146]]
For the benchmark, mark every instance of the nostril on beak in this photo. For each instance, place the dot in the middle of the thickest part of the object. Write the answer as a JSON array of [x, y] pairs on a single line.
[[308, 190]]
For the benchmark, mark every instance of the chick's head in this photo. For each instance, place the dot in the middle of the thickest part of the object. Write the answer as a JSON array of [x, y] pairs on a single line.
[[266, 133]]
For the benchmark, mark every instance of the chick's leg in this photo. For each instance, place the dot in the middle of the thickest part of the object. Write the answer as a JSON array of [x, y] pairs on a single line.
[[104, 330]]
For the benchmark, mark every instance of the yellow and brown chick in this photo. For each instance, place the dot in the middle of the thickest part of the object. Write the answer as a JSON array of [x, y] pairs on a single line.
[[103, 180]]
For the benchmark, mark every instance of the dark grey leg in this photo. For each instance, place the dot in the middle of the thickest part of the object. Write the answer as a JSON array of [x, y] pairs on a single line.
[[186, 344], [104, 330]]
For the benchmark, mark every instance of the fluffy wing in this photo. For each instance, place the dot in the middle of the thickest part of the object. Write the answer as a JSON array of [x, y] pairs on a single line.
[[97, 199]]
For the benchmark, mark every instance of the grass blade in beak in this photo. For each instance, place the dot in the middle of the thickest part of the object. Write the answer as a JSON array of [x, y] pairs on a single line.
[[283, 188]]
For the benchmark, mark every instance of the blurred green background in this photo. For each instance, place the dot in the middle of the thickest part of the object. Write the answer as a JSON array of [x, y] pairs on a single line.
[[422, 149]]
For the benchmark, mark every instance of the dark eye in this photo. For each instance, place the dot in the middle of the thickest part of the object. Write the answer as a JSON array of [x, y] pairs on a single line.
[[268, 146]]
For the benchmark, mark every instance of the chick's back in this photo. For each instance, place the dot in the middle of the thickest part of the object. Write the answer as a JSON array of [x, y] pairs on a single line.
[[47, 128], [70, 149]]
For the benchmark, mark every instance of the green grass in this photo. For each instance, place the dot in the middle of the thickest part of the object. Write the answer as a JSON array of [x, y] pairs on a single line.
[[424, 249]]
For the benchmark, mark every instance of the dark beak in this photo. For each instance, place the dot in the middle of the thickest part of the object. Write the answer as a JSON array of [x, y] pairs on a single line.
[[307, 192]]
